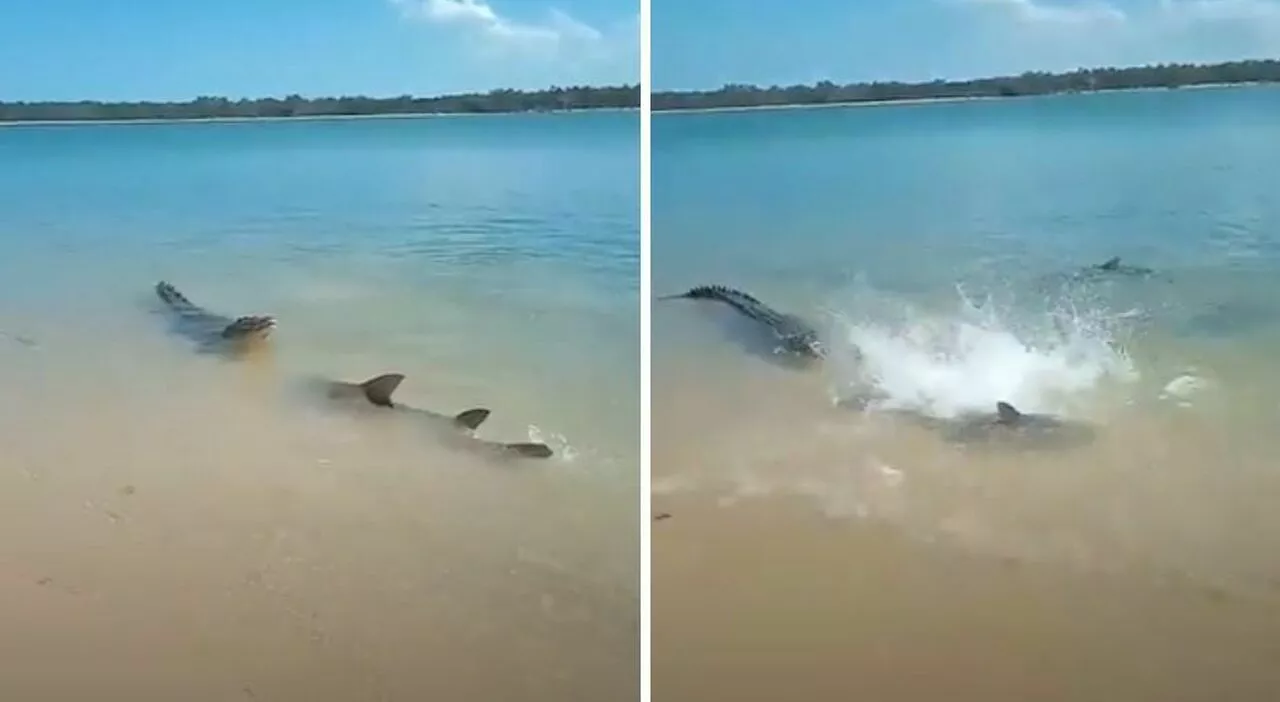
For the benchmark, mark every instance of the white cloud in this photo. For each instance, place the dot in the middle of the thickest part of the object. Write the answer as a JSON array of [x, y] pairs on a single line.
[[1253, 21], [1223, 10], [1055, 35], [1032, 12], [557, 34], [459, 11], [1141, 16], [1151, 12], [1219, 29]]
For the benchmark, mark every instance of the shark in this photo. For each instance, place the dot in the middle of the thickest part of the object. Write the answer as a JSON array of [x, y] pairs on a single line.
[[213, 333], [794, 335], [457, 431], [1006, 425], [1114, 266]]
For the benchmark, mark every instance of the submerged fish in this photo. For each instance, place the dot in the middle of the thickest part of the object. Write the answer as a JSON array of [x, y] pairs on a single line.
[[1114, 267], [1007, 425], [457, 431], [1026, 429]]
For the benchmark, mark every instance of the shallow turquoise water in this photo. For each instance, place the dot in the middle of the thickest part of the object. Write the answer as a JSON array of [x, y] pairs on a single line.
[[493, 260], [486, 250], [1170, 178], [938, 240]]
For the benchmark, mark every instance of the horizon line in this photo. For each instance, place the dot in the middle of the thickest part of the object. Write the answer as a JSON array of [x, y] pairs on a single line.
[[318, 98], [969, 79]]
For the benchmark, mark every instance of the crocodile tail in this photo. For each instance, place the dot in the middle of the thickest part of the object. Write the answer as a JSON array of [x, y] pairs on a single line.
[[170, 295], [712, 292]]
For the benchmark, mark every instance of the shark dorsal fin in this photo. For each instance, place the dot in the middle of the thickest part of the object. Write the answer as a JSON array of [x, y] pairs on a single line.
[[472, 418], [1111, 264], [380, 389], [1007, 413]]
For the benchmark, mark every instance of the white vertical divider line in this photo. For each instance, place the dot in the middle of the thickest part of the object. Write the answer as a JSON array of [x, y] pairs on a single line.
[[646, 295]]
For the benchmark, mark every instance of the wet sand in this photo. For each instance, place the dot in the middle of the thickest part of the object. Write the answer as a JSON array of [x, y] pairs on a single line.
[[773, 601], [815, 553], [178, 528]]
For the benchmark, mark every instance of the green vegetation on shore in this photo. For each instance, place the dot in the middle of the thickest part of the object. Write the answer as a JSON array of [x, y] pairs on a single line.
[[553, 99], [1031, 83]]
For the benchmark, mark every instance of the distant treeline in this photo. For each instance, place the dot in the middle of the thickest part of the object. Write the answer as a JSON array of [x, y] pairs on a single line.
[[553, 99], [1031, 83]]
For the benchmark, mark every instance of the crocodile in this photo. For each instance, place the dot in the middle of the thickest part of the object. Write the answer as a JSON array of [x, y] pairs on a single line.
[[210, 331], [795, 335]]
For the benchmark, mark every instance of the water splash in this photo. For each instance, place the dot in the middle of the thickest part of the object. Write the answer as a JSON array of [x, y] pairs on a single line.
[[963, 356], [558, 442]]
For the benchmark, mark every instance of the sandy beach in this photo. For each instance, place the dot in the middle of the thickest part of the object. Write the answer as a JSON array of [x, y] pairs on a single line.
[[203, 541], [770, 601]]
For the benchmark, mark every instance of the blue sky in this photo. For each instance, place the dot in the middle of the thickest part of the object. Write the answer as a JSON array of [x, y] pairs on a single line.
[[170, 49], [700, 44]]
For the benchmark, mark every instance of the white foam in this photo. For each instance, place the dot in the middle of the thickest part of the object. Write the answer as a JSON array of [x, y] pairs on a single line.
[[1183, 387], [558, 442], [673, 484], [968, 358]]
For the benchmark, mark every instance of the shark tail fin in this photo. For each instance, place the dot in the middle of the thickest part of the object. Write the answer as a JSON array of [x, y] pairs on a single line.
[[472, 418], [529, 450], [380, 389], [1007, 413]]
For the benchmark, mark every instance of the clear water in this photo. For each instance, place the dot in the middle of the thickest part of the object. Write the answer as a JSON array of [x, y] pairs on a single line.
[[932, 245], [493, 260]]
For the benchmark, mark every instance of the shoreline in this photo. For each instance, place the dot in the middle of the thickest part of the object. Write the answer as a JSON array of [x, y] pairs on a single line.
[[946, 99], [298, 118], [834, 105], [888, 102]]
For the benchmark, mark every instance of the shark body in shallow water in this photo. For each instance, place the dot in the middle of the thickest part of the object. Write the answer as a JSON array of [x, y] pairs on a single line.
[[213, 333], [1007, 425], [456, 431], [1114, 267], [218, 334], [794, 335]]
